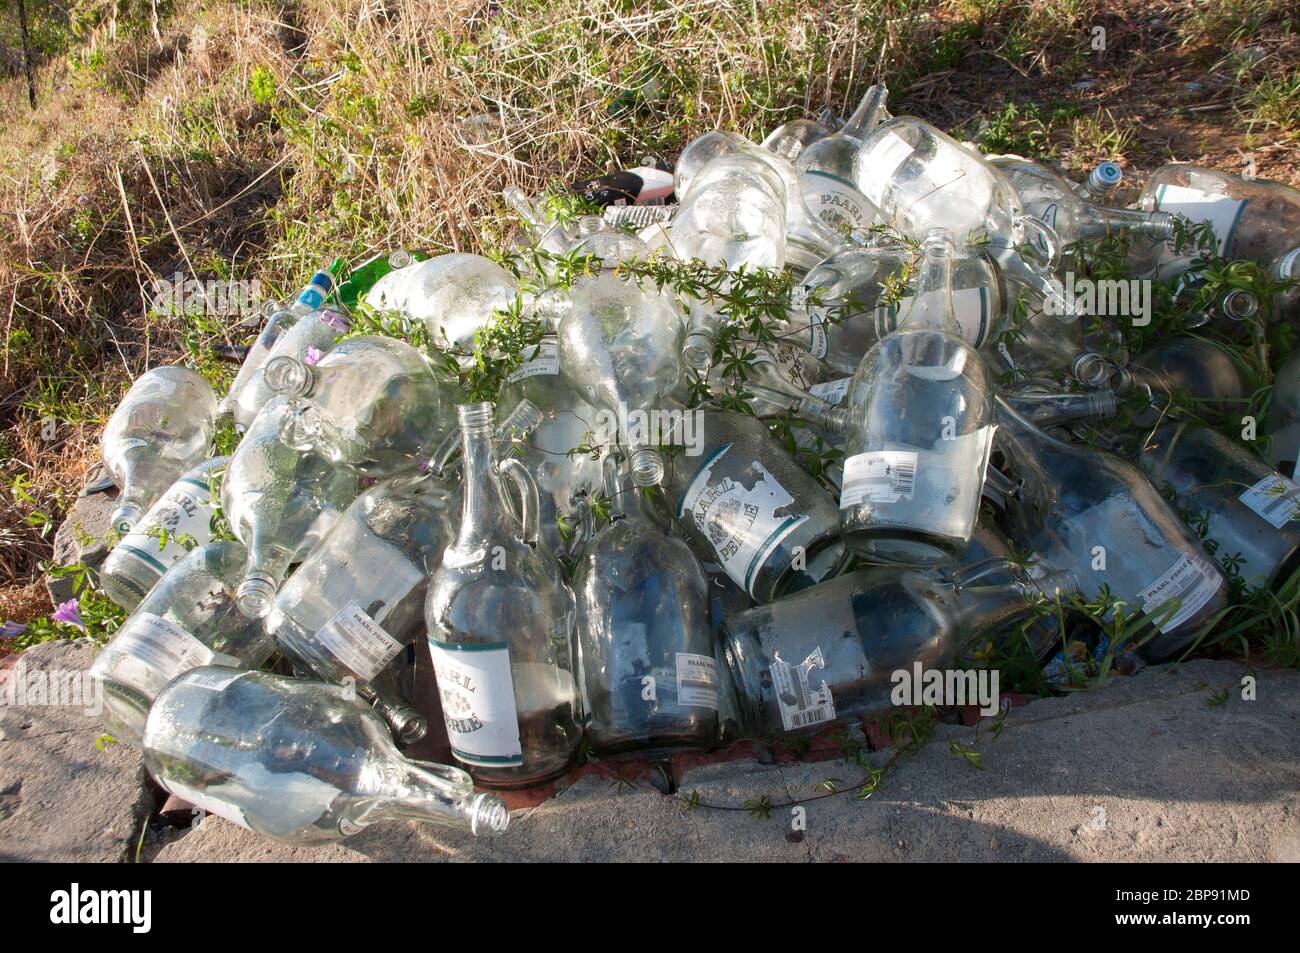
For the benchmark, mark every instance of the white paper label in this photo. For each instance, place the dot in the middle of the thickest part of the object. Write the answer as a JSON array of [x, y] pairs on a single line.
[[887, 154], [206, 802], [164, 646], [184, 515], [1192, 580], [358, 641], [1220, 211], [881, 476], [802, 704], [545, 361], [741, 524], [478, 702], [1286, 267], [1275, 498], [697, 681], [833, 392], [970, 306], [837, 203]]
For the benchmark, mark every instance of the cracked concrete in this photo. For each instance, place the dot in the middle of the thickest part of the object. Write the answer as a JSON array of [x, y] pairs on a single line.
[[1158, 766]]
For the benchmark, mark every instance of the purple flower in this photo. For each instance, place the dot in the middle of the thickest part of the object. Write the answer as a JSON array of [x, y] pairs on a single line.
[[70, 613], [314, 354], [11, 630]]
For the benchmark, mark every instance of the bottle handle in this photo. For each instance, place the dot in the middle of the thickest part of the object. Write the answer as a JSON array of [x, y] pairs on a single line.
[[1047, 235], [529, 496]]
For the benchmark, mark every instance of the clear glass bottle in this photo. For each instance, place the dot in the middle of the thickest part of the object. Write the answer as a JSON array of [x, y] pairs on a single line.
[[791, 138], [310, 338], [747, 504], [356, 602], [539, 230], [1196, 370], [1250, 511], [372, 404], [1224, 307], [178, 520], [829, 653], [1286, 302], [557, 451], [1284, 416], [278, 320], [189, 619], [1091, 513], [1042, 347], [620, 349], [1252, 219], [826, 168], [302, 762], [646, 648], [1055, 201], [163, 427], [919, 429], [454, 295], [279, 503], [1101, 182], [500, 624]]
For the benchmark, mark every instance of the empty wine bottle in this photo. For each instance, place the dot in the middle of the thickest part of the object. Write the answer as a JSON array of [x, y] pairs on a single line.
[[620, 348], [372, 404], [163, 427], [302, 762], [308, 339], [1197, 371], [826, 168], [834, 652], [278, 320], [1284, 416], [1041, 346], [646, 648], [357, 601], [1055, 202], [454, 296], [1251, 219], [1249, 511], [1091, 513], [748, 505], [178, 521], [992, 555], [921, 179], [556, 452], [500, 624], [279, 502], [791, 138], [189, 619], [919, 428]]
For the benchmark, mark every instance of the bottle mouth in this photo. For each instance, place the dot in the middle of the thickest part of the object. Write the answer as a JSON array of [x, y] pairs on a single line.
[[399, 258], [647, 467], [1104, 403], [126, 516], [939, 242], [525, 418], [1092, 369], [1106, 176], [1239, 305], [255, 596], [1162, 225], [489, 816], [408, 725], [697, 352], [476, 417], [288, 376]]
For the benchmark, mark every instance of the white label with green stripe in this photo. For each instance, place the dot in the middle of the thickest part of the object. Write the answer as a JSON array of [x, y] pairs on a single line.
[[970, 305], [1221, 211], [836, 202], [478, 702], [163, 646], [1275, 498], [741, 523], [178, 521]]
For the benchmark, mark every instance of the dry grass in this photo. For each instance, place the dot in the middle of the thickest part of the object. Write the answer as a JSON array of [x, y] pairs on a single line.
[[259, 139]]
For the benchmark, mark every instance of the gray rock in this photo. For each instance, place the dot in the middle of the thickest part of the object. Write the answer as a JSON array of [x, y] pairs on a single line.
[[61, 797], [81, 538]]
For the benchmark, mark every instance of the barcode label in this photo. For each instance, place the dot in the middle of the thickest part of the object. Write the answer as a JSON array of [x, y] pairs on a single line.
[[833, 392], [1193, 581], [882, 476], [801, 704], [1275, 498], [697, 681], [358, 641]]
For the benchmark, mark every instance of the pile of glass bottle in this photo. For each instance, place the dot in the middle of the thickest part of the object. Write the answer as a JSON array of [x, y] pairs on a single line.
[[654, 593]]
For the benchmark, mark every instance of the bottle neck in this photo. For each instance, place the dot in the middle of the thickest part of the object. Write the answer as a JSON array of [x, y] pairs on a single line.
[[932, 306], [984, 607], [484, 513], [423, 791], [867, 116], [1102, 220], [1050, 410]]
